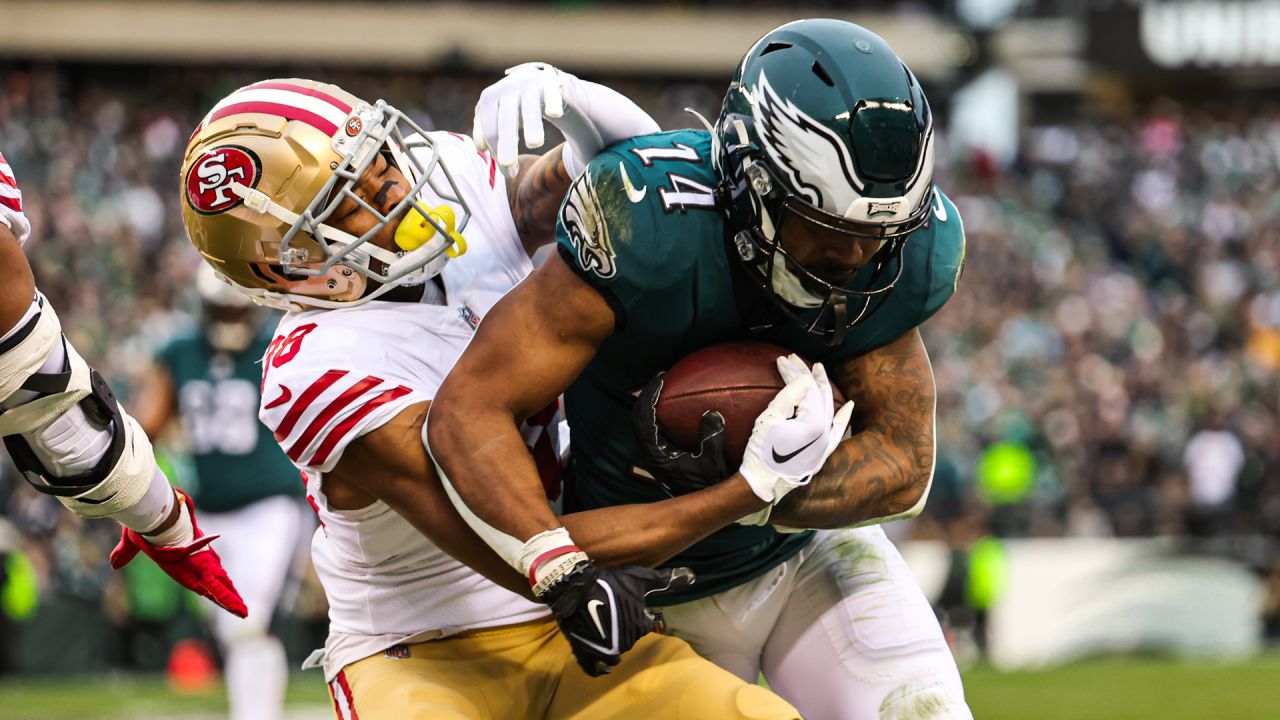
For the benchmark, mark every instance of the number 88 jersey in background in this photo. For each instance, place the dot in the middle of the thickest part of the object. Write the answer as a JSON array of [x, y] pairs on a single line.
[[236, 459]]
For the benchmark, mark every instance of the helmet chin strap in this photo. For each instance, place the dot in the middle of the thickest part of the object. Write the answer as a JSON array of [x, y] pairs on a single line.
[[789, 288]]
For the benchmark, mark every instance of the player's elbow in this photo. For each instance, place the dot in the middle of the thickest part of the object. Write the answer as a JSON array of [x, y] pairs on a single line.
[[915, 495], [458, 422], [444, 428]]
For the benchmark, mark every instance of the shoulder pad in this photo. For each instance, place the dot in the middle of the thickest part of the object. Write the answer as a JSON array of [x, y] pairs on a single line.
[[946, 257], [316, 400], [461, 156], [633, 220]]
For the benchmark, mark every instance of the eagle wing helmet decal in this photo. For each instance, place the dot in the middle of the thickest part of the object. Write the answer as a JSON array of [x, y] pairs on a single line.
[[805, 149]]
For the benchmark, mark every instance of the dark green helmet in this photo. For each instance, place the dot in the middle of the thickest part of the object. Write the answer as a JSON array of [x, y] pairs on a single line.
[[825, 123]]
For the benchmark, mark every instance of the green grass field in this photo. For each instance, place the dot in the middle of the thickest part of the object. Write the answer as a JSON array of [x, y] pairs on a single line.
[[1112, 689]]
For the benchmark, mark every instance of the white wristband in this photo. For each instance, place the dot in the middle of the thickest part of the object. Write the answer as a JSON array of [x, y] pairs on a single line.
[[547, 557]]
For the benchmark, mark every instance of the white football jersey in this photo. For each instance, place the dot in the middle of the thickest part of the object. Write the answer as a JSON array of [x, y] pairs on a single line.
[[331, 376]]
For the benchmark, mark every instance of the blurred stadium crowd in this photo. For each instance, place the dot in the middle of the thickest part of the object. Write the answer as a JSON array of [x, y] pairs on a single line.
[[1108, 365]]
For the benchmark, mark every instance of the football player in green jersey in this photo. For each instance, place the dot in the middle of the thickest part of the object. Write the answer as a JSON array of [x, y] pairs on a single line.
[[806, 217], [210, 379]]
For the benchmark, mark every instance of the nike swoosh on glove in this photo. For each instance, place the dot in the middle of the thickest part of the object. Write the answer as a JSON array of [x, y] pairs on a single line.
[[602, 612], [196, 566], [794, 436]]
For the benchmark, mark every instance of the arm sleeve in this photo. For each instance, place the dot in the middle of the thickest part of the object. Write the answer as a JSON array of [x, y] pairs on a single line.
[[609, 233]]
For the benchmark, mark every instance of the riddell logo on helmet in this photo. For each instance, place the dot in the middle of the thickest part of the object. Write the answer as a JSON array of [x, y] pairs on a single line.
[[354, 126], [209, 179]]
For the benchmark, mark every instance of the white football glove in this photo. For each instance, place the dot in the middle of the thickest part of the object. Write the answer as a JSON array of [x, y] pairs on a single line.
[[590, 116], [11, 203], [794, 436]]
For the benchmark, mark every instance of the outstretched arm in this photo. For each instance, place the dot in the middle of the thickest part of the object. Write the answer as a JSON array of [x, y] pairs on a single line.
[[883, 471], [70, 438]]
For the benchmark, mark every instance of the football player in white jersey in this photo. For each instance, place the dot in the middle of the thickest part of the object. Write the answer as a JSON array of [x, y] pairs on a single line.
[[69, 437], [387, 245]]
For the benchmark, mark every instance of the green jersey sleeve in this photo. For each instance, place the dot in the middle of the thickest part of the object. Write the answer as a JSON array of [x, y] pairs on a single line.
[[946, 256], [617, 232]]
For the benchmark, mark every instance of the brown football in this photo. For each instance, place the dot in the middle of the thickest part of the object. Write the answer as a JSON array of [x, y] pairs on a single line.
[[737, 378]]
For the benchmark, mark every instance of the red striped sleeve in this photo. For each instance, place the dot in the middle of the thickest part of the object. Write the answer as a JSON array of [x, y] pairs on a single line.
[[287, 112], [304, 401], [344, 428], [10, 195], [332, 409]]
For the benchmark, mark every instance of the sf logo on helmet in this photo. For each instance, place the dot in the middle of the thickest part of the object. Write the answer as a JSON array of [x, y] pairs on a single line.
[[209, 179]]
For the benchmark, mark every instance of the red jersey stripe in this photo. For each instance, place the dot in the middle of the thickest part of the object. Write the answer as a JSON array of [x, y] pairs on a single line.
[[12, 204], [333, 408], [304, 401], [309, 92], [345, 427], [285, 111]]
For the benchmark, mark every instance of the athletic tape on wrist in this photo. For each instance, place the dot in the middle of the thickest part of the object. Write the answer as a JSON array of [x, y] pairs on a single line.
[[547, 557]]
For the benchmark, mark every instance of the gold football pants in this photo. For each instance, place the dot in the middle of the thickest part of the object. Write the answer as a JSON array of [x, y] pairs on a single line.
[[527, 672]]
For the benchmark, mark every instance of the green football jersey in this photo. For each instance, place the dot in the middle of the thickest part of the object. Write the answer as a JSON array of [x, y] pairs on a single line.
[[641, 226], [237, 461]]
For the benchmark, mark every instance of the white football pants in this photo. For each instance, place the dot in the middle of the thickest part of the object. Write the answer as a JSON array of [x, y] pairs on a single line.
[[258, 546], [841, 630]]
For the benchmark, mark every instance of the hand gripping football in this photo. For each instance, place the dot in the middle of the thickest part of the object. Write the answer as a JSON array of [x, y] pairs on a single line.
[[736, 378]]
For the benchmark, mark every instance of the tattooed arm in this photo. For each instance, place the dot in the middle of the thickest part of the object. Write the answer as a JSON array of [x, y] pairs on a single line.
[[535, 196], [883, 471]]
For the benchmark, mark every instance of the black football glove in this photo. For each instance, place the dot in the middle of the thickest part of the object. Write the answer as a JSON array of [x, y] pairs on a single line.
[[601, 610], [678, 471]]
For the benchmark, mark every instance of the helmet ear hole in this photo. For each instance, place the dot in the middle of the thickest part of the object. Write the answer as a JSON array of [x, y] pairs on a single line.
[[822, 74]]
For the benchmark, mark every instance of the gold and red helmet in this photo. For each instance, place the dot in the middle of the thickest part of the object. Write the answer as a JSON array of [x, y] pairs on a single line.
[[271, 162]]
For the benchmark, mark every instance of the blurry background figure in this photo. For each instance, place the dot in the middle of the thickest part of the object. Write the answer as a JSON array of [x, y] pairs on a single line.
[[1213, 460], [244, 487]]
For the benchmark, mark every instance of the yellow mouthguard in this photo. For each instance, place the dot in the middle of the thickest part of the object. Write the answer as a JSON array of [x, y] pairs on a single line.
[[415, 230]]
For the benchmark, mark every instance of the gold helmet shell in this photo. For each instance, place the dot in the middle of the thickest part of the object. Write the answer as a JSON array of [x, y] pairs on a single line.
[[270, 163]]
